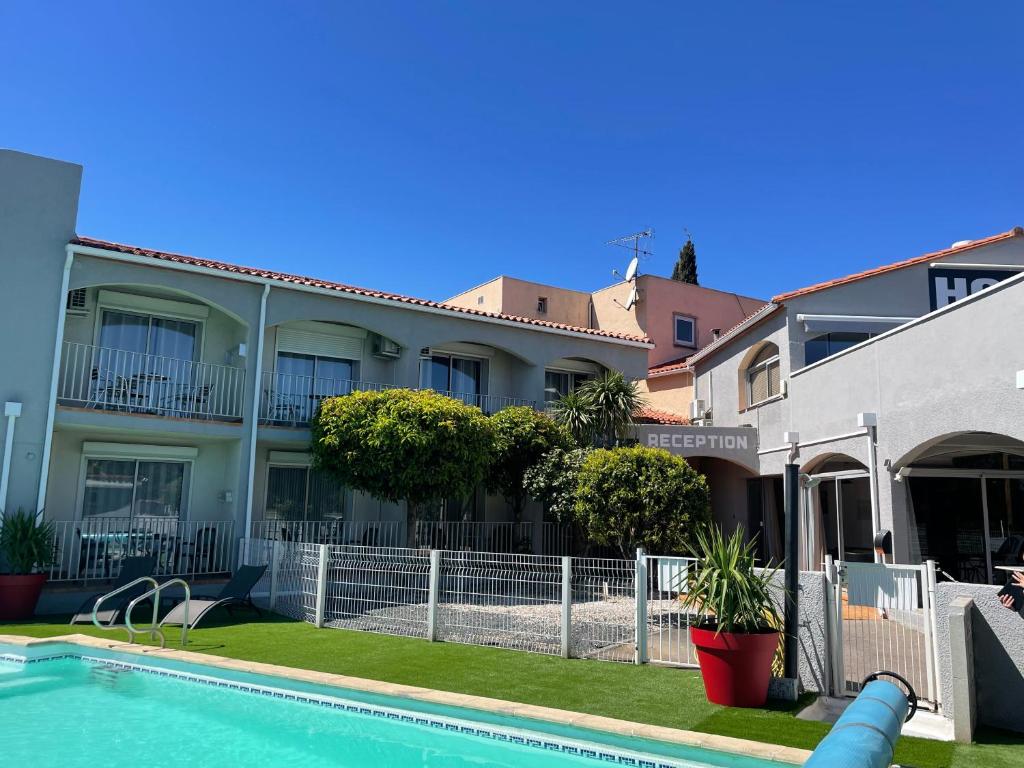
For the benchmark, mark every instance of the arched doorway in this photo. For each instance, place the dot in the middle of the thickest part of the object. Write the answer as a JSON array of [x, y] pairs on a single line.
[[836, 503], [965, 504]]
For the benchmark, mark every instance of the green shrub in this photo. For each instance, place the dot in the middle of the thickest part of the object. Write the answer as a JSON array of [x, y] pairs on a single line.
[[522, 437], [397, 445], [554, 480], [25, 543], [641, 497]]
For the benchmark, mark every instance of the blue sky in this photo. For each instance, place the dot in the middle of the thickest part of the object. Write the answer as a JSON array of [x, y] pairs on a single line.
[[425, 147]]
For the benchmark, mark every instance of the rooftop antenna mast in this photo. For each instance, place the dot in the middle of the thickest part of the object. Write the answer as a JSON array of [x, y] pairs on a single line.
[[632, 242]]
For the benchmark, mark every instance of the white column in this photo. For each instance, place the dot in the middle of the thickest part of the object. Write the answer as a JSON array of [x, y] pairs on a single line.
[[12, 411], [254, 419], [870, 423], [566, 607], [51, 408]]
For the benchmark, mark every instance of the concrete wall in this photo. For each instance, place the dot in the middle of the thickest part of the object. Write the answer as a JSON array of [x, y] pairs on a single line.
[[998, 636], [512, 296], [38, 207], [672, 393], [812, 638]]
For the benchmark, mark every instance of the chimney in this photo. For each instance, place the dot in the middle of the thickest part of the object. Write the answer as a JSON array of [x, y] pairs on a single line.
[[715, 333]]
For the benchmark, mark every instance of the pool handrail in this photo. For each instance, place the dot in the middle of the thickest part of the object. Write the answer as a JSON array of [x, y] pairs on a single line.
[[112, 593], [155, 630]]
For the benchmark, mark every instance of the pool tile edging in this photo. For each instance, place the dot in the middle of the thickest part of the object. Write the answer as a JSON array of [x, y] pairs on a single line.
[[727, 744]]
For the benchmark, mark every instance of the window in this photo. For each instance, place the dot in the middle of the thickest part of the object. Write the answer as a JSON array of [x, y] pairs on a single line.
[[558, 383], [454, 375], [763, 375], [829, 344], [149, 335], [302, 493], [302, 381], [685, 330], [135, 488], [542, 305]]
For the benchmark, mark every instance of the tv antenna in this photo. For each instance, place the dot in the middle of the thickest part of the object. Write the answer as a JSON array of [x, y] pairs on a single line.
[[633, 243]]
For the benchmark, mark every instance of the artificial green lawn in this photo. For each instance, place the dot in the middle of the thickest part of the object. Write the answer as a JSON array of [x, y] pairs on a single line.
[[646, 694]]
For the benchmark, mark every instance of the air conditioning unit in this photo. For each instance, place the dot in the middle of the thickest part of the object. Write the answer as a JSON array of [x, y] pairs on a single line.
[[76, 303], [696, 410], [385, 347]]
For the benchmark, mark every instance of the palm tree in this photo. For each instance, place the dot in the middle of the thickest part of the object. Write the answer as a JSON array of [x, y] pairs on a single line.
[[613, 400], [575, 412]]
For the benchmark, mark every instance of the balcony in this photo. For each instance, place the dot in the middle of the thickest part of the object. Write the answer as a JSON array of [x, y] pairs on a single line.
[[291, 400], [131, 382]]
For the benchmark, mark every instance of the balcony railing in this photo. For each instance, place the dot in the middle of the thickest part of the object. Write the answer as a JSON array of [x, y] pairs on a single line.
[[93, 549], [372, 533], [290, 399], [132, 382]]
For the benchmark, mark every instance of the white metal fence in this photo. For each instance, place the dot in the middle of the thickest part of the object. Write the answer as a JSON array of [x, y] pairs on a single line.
[[133, 382], [372, 533], [93, 549], [883, 617], [291, 400]]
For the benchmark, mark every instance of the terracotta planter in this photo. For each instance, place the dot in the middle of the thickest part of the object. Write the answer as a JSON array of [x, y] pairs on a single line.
[[19, 595], [736, 667]]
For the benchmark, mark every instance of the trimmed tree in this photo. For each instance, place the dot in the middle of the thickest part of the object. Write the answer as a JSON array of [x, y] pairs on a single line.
[[613, 399], [553, 481], [522, 437], [685, 270], [398, 445], [641, 497]]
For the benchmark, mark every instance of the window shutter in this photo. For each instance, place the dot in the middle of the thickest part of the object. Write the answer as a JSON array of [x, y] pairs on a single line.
[[773, 379], [758, 385], [305, 342]]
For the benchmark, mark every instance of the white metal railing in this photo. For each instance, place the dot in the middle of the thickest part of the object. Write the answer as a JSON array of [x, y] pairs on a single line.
[[384, 533], [668, 623], [475, 536], [884, 618], [488, 403], [291, 399], [93, 549], [133, 382]]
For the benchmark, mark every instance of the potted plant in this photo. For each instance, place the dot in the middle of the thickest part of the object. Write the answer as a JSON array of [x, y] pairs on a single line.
[[24, 545], [739, 634]]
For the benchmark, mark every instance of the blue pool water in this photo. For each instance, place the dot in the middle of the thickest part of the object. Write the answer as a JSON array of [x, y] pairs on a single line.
[[106, 709]]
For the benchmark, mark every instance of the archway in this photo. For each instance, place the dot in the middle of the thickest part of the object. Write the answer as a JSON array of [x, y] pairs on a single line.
[[836, 504], [965, 504]]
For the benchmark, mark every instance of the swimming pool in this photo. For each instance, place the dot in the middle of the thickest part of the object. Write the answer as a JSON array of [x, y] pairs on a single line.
[[70, 705]]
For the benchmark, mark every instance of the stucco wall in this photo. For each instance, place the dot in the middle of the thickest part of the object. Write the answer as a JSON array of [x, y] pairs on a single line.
[[998, 655], [669, 393], [812, 638]]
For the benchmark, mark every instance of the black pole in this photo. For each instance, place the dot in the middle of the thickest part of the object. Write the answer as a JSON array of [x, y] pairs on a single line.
[[791, 485]]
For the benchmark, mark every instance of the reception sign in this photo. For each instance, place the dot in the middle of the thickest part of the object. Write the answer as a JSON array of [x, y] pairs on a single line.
[[736, 444]]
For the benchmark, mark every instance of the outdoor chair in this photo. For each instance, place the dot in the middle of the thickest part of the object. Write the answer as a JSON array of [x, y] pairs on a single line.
[[234, 594], [132, 568]]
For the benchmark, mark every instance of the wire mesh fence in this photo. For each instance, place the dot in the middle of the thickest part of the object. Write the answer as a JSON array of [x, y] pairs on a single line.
[[603, 613], [377, 589], [502, 600], [668, 622]]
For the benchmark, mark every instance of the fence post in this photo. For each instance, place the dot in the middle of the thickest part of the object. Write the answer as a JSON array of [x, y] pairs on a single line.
[[435, 583], [321, 585], [566, 607], [640, 589], [834, 629], [275, 565], [931, 632]]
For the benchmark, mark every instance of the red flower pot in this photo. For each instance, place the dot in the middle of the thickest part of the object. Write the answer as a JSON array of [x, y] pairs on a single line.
[[19, 595], [736, 667]]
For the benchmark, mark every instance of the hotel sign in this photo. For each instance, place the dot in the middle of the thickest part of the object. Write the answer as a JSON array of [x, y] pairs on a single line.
[[736, 444], [949, 284]]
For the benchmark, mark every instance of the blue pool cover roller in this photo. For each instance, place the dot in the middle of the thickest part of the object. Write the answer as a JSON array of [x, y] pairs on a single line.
[[866, 733]]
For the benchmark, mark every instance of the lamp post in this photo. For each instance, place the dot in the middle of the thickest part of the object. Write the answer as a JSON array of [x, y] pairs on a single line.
[[791, 492]]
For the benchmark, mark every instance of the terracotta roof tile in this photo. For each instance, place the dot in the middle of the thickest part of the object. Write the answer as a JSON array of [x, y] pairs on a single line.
[[1015, 232], [284, 277], [653, 416], [671, 366]]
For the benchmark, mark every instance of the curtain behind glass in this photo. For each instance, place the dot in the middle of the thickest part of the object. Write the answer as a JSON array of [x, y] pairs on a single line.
[[120, 330], [286, 493], [108, 488], [173, 338], [326, 498], [465, 376], [159, 489]]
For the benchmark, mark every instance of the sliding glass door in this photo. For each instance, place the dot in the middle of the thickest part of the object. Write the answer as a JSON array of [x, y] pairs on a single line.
[[134, 489], [297, 494], [459, 377], [303, 381]]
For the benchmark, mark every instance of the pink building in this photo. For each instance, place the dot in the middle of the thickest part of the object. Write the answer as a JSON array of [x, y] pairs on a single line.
[[679, 318]]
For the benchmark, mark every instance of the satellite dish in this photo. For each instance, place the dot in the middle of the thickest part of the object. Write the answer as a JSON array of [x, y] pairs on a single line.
[[633, 297], [631, 269]]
